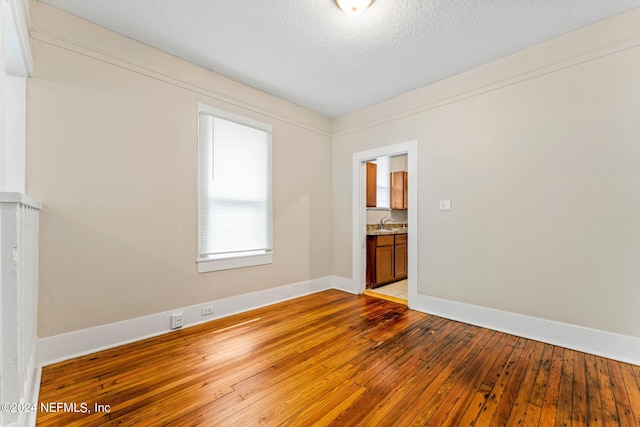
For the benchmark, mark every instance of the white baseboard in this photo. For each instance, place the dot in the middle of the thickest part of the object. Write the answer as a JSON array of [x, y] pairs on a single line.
[[601, 343], [343, 284], [78, 343], [66, 346]]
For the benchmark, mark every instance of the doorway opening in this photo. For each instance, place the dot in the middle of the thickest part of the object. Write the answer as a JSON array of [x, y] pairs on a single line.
[[394, 291], [399, 229]]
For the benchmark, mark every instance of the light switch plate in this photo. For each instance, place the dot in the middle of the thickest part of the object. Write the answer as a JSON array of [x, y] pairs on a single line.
[[445, 205]]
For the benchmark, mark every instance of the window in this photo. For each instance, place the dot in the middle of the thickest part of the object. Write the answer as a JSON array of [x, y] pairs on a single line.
[[234, 191], [383, 183]]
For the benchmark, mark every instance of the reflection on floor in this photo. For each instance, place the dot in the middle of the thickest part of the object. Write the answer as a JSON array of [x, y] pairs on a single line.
[[396, 291]]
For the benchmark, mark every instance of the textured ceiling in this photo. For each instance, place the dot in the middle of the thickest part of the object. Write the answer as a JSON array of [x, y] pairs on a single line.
[[311, 53]]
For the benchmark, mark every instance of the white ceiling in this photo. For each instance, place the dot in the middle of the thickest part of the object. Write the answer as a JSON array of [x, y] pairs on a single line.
[[311, 53]]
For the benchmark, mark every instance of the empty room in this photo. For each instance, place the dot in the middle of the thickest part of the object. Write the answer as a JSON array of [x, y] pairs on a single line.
[[320, 212]]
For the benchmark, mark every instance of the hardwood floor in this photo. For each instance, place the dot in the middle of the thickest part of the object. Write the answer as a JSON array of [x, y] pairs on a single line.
[[334, 358]]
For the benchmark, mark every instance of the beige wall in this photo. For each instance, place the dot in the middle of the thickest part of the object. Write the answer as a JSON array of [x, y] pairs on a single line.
[[112, 154], [539, 154]]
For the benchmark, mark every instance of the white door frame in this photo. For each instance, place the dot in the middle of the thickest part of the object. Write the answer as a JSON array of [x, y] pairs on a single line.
[[360, 215]]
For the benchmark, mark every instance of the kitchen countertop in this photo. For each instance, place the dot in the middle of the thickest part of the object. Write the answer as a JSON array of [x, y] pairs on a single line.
[[396, 230]]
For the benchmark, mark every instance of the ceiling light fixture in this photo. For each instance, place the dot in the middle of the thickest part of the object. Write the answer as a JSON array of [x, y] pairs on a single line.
[[353, 7]]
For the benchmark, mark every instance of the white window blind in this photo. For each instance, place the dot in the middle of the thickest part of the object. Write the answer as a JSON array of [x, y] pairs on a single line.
[[234, 190], [383, 183]]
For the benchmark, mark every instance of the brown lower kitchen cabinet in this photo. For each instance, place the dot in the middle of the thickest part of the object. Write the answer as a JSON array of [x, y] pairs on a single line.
[[400, 258], [386, 259]]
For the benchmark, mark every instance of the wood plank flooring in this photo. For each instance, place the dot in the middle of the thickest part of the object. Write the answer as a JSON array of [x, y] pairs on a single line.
[[334, 358]]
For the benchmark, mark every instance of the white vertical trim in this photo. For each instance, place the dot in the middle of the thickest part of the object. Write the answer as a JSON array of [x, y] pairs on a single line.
[[14, 163], [358, 258], [360, 218], [19, 59], [19, 225], [412, 219]]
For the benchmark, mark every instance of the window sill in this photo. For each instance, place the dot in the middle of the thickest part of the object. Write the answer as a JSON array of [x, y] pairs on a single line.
[[206, 265]]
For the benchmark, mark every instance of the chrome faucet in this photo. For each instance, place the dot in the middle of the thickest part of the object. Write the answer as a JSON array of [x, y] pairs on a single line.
[[383, 221]]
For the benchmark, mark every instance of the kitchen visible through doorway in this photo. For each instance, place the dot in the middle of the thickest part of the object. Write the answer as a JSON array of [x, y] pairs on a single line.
[[396, 292]]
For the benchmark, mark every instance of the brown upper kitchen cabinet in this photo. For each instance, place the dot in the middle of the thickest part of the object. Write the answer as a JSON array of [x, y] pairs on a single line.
[[372, 184], [399, 190]]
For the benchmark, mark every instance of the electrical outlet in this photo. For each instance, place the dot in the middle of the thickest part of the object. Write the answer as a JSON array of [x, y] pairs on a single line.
[[206, 311], [176, 320], [445, 205]]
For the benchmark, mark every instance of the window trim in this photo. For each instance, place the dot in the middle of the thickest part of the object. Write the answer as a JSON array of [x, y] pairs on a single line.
[[206, 265], [247, 259]]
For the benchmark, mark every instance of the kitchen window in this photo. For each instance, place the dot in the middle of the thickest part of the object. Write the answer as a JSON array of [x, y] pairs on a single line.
[[383, 184], [235, 221]]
